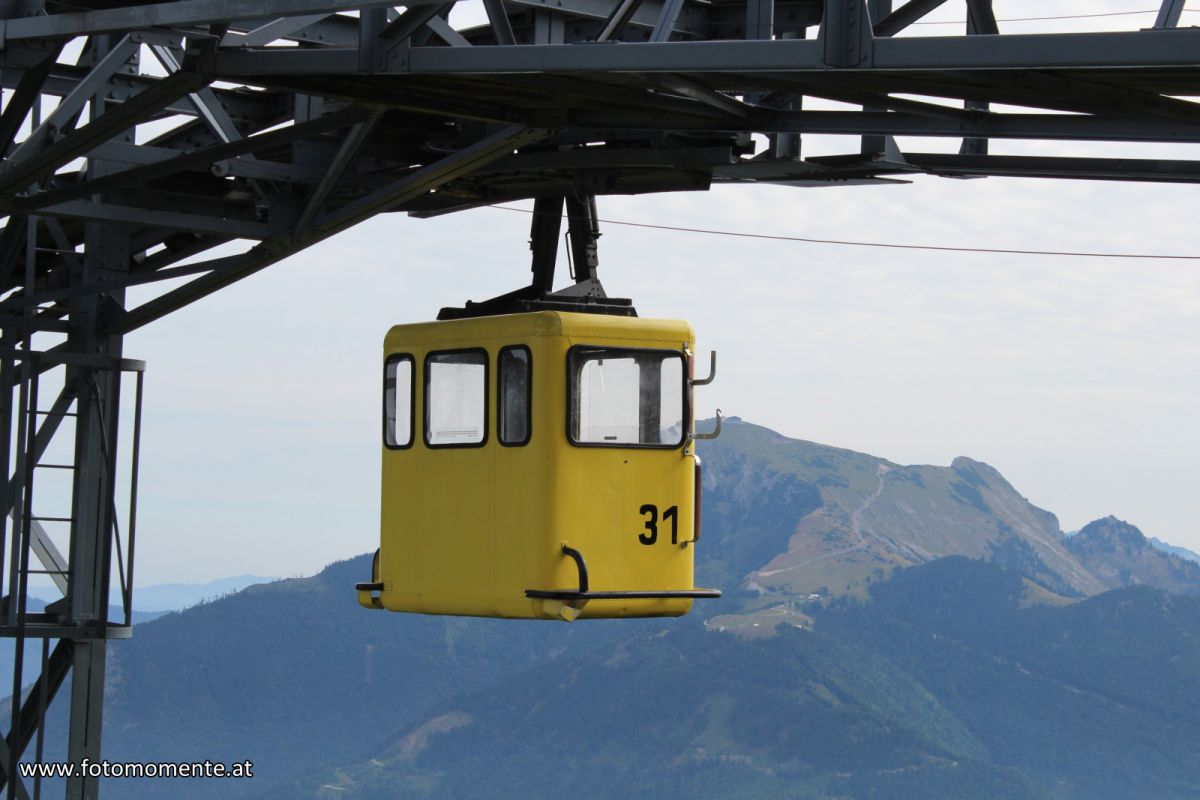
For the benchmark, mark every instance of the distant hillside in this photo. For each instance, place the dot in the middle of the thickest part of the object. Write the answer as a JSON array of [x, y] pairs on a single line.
[[1086, 699], [681, 713], [178, 596], [1182, 552], [160, 598], [942, 685], [149, 602], [1120, 555], [33, 651]]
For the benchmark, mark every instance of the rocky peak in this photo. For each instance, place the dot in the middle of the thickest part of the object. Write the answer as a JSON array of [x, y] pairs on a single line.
[[1111, 532], [1121, 555]]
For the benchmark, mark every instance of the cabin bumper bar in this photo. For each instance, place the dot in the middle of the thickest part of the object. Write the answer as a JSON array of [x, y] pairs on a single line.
[[584, 593], [664, 594]]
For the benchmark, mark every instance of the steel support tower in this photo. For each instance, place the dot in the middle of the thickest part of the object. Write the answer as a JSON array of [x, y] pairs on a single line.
[[199, 141]]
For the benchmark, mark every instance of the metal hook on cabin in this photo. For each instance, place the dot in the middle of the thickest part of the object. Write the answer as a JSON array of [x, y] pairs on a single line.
[[712, 371], [580, 565], [712, 434]]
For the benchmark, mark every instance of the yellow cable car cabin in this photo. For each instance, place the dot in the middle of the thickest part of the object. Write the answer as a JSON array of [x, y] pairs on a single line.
[[538, 465]]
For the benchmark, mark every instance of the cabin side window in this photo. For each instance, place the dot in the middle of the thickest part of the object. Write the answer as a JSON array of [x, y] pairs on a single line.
[[514, 395], [398, 401], [456, 398], [623, 397]]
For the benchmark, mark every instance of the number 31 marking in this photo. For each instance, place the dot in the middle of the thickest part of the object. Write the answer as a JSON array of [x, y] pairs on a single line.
[[650, 512]]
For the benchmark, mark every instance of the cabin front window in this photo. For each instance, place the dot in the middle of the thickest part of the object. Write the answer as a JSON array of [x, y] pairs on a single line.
[[625, 397], [456, 398]]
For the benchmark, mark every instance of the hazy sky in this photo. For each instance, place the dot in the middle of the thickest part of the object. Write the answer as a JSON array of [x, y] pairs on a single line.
[[1076, 377]]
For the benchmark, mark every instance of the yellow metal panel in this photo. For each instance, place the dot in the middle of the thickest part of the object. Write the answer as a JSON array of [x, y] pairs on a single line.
[[523, 491], [468, 530]]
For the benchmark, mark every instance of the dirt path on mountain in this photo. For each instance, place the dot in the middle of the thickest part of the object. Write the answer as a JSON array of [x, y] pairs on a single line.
[[855, 529]]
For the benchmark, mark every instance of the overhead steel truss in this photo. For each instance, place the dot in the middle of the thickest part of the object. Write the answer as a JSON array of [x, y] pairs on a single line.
[[202, 140]]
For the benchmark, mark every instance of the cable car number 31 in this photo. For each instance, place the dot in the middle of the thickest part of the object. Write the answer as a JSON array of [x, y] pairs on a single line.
[[650, 512]]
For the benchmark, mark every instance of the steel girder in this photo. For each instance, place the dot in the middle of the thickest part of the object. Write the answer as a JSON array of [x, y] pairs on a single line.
[[276, 123]]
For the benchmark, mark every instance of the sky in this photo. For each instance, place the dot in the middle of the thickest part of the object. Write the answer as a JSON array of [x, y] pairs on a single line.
[[1077, 378]]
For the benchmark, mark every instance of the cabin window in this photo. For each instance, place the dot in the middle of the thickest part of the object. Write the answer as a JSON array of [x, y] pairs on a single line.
[[456, 398], [514, 395], [622, 397], [398, 401]]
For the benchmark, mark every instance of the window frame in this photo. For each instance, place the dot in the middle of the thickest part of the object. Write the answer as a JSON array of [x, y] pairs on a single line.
[[619, 351], [528, 395], [425, 395], [396, 358]]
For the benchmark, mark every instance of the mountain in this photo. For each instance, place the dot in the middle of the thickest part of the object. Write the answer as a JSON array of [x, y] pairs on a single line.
[[1182, 552], [831, 521], [1120, 555]]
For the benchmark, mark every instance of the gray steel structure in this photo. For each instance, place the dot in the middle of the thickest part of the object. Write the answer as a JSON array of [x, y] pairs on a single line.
[[207, 139]]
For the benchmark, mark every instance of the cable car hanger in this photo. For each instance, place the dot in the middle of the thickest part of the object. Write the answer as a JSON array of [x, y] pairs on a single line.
[[586, 295]]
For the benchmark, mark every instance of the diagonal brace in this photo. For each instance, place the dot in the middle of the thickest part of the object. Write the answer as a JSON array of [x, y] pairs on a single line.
[[431, 176], [904, 16], [26, 94], [411, 21], [1169, 13], [693, 90], [152, 99], [664, 26], [175, 14], [273, 250], [345, 156], [208, 107], [204, 101], [70, 106], [981, 18], [48, 553], [271, 31], [498, 19], [49, 682], [196, 159], [618, 19]]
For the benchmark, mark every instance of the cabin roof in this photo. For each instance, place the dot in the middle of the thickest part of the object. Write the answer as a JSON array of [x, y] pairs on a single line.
[[465, 332]]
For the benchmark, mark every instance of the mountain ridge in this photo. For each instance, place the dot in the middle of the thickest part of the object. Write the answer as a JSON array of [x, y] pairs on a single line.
[[863, 516]]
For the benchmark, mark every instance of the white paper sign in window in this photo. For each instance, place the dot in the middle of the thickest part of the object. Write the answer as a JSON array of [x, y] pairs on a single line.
[[456, 398]]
